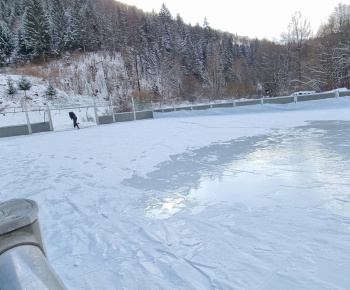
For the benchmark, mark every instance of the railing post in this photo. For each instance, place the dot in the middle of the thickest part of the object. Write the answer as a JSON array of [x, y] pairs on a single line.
[[133, 107], [111, 104], [96, 115], [49, 115], [27, 117]]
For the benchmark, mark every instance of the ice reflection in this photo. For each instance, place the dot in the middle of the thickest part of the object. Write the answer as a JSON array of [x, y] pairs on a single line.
[[310, 161], [165, 207]]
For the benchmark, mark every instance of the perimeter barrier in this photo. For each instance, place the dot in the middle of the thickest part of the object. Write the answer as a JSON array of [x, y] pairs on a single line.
[[39, 119], [28, 121], [267, 100]]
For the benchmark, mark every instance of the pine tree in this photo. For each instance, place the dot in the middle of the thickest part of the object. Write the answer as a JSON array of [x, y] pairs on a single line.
[[121, 28], [58, 26], [95, 32], [6, 43], [2, 10], [11, 89], [36, 27], [50, 90], [77, 26], [166, 29], [21, 48], [24, 84], [2, 60]]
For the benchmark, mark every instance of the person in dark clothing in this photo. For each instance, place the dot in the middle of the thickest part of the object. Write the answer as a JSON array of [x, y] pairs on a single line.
[[74, 118]]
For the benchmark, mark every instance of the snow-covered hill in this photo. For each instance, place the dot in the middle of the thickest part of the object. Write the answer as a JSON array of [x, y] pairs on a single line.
[[36, 95]]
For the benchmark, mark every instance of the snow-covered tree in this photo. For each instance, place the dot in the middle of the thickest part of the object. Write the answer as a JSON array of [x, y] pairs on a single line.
[[58, 26], [36, 28], [77, 26], [50, 90], [166, 29], [20, 45], [11, 89], [6, 43], [296, 39], [24, 84]]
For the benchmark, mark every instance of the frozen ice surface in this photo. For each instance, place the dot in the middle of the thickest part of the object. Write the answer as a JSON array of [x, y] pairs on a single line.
[[241, 198]]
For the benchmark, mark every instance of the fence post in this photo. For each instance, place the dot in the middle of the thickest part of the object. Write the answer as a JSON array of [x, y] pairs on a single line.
[[295, 99], [95, 109], [133, 108], [111, 104], [28, 122], [49, 115]]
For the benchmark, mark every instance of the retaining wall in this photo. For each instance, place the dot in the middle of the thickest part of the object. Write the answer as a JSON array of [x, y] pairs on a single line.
[[124, 117], [19, 130]]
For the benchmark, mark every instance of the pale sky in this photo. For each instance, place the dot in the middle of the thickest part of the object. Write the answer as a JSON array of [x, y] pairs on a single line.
[[252, 18]]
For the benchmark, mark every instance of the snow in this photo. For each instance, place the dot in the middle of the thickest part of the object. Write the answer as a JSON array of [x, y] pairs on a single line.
[[252, 197], [303, 93]]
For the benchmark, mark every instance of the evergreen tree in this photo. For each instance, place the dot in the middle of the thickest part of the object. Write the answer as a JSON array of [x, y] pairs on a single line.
[[180, 36], [2, 10], [58, 26], [20, 48], [24, 84], [121, 27], [11, 89], [228, 55], [2, 60], [96, 32], [36, 28], [50, 90], [166, 29], [77, 26], [6, 43]]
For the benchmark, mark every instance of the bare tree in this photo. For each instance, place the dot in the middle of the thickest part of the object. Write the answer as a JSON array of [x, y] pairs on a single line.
[[274, 67], [296, 39], [332, 68], [215, 74]]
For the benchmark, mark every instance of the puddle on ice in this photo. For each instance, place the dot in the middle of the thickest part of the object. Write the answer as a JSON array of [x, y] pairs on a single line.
[[311, 160]]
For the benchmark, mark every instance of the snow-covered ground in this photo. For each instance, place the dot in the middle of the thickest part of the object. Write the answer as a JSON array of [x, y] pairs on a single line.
[[252, 197]]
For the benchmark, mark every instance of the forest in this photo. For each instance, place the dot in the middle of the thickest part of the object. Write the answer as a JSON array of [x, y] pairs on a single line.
[[109, 49]]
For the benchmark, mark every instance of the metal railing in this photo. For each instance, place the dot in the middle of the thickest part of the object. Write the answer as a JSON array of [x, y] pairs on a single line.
[[41, 119], [106, 113], [249, 102]]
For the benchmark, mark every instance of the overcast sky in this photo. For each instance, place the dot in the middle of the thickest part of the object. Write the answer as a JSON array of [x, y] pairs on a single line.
[[252, 18]]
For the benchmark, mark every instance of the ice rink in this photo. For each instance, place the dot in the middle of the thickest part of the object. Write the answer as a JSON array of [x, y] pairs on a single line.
[[244, 198]]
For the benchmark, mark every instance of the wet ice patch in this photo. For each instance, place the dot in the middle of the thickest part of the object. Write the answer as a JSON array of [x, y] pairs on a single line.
[[237, 171]]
